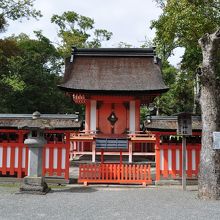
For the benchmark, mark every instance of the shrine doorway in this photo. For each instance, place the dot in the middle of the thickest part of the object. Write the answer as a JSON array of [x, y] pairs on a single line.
[[112, 119]]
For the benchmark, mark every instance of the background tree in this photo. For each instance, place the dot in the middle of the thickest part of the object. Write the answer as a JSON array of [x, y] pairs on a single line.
[[16, 9], [179, 98], [78, 30], [30, 71], [181, 24]]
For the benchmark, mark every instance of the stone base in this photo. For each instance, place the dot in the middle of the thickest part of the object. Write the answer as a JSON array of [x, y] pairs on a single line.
[[34, 185]]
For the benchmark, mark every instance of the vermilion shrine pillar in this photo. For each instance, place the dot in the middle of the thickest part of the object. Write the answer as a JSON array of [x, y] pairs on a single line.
[[157, 149]]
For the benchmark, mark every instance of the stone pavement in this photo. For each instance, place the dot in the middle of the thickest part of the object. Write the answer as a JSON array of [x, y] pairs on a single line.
[[115, 202]]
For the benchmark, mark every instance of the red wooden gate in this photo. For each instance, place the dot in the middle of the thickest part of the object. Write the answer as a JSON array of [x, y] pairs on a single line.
[[115, 173]]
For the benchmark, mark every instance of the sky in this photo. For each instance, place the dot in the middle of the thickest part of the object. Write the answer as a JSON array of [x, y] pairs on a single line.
[[128, 20]]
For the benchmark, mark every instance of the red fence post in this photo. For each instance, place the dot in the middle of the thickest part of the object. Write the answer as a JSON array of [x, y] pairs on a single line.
[[20, 146], [12, 159], [67, 164], [51, 149], [157, 148], [174, 148], [59, 159], [166, 158], [4, 159], [189, 160]]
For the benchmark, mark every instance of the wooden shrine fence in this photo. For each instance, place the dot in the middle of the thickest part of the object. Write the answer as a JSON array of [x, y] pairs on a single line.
[[14, 160], [169, 160], [115, 173], [14, 155]]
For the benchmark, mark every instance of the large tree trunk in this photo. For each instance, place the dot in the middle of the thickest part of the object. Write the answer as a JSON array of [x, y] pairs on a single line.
[[209, 176]]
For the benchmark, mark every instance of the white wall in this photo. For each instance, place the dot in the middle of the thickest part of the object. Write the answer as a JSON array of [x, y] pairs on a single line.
[[132, 116], [93, 115]]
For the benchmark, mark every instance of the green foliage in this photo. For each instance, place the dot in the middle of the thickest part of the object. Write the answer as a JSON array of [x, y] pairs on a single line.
[[179, 98], [16, 9], [14, 82], [30, 71], [143, 113], [181, 24], [76, 30]]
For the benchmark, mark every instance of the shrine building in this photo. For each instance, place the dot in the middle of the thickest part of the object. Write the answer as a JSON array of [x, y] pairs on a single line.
[[112, 83]]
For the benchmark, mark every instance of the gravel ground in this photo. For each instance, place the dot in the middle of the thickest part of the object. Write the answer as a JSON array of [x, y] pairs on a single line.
[[92, 202]]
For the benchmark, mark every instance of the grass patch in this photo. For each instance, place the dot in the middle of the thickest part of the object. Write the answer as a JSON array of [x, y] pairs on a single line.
[[10, 185], [52, 186]]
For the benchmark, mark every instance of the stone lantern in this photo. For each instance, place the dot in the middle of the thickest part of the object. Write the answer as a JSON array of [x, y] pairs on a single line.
[[35, 182]]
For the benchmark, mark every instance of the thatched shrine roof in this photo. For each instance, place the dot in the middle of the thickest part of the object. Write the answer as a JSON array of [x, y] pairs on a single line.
[[114, 70]]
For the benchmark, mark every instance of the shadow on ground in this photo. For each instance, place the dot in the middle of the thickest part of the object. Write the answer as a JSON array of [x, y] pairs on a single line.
[[80, 189]]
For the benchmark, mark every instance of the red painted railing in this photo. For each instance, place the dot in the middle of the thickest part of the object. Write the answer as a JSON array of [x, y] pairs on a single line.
[[115, 173], [56, 160], [14, 157], [169, 160]]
